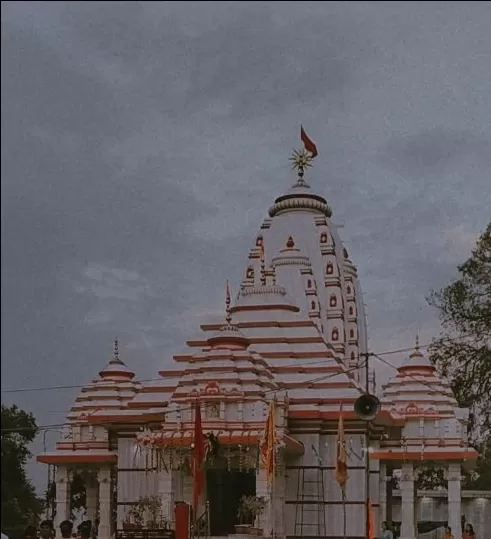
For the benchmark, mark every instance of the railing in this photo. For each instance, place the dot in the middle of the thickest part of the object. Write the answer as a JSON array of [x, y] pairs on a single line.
[[201, 527], [145, 534]]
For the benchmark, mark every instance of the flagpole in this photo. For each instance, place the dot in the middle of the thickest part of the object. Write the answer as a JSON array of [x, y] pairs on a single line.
[[343, 487], [367, 456], [345, 523], [272, 515], [273, 479]]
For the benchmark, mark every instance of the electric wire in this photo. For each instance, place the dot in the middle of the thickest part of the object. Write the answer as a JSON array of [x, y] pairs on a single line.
[[80, 386], [184, 409], [276, 390]]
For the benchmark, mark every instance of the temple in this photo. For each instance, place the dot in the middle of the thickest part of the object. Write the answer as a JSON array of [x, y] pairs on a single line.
[[296, 334]]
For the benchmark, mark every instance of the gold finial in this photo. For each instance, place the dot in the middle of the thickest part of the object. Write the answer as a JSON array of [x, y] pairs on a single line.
[[116, 350], [301, 159], [228, 317], [416, 347], [273, 274]]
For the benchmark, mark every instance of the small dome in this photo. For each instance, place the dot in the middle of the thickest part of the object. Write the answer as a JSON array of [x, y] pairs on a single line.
[[416, 362], [116, 369], [290, 254], [263, 296], [111, 389], [228, 336], [417, 386]]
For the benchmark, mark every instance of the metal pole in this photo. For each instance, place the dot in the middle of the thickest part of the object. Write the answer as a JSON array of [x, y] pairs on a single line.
[[367, 455]]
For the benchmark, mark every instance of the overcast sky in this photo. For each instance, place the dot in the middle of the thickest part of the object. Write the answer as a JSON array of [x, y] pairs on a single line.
[[142, 144]]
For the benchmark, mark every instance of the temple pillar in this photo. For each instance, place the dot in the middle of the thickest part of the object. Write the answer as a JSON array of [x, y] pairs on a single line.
[[454, 499], [186, 481], [279, 505], [166, 492], [383, 493], [390, 498], [104, 503], [408, 526], [62, 496], [91, 501], [267, 519]]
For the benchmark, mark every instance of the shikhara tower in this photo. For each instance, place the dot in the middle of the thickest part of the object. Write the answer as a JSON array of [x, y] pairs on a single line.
[[297, 331]]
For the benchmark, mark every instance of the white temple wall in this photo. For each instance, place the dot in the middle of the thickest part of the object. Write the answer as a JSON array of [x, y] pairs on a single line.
[[476, 506], [133, 479], [325, 446]]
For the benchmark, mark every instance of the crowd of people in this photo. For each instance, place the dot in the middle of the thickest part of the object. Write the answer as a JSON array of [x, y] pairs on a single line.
[[46, 530], [467, 533], [85, 531]]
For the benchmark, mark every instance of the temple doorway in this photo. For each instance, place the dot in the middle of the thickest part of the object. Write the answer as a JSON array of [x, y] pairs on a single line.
[[224, 491]]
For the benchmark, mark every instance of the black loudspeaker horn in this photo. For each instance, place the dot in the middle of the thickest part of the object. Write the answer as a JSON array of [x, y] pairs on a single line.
[[367, 407]]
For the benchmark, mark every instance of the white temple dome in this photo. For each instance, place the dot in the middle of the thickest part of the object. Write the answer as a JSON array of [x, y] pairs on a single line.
[[300, 196], [311, 263]]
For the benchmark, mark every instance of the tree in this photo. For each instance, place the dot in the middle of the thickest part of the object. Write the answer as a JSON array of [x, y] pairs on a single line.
[[480, 478], [77, 494], [431, 478], [462, 353], [20, 506]]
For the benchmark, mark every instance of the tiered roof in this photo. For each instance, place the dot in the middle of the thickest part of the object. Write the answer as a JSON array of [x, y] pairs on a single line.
[[111, 390], [435, 427], [299, 332]]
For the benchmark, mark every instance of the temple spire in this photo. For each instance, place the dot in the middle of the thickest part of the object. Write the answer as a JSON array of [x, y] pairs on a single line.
[[263, 267], [228, 314], [115, 358], [416, 352]]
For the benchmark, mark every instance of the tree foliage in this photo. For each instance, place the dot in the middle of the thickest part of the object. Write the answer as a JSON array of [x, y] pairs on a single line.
[[78, 498], [462, 353], [463, 350], [431, 478], [480, 477], [20, 506]]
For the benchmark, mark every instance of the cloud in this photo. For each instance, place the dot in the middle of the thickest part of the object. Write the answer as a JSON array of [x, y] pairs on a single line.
[[104, 282], [142, 143], [437, 149]]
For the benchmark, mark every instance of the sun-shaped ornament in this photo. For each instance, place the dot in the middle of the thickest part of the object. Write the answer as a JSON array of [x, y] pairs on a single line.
[[301, 159]]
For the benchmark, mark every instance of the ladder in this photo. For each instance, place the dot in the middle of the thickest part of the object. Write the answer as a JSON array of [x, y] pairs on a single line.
[[310, 511]]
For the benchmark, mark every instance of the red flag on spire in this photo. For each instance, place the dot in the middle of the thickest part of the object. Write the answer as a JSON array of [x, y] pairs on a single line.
[[198, 457], [307, 142]]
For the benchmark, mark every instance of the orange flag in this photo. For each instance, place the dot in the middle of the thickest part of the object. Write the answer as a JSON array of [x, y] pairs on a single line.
[[341, 461], [267, 446], [371, 522], [198, 457], [308, 143]]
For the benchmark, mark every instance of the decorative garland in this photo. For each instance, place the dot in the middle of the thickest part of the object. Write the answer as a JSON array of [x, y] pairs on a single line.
[[161, 455]]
